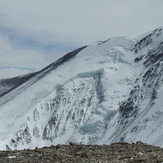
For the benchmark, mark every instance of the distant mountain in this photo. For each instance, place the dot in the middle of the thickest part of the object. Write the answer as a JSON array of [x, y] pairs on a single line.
[[10, 72], [106, 92]]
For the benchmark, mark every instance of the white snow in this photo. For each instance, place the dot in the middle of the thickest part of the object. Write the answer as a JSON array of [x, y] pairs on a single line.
[[79, 114], [11, 157]]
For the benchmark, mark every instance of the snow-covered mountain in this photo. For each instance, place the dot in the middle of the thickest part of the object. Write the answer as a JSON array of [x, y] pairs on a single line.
[[98, 94]]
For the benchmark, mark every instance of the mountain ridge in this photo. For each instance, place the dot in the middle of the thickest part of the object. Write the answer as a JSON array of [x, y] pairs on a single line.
[[116, 152], [107, 92]]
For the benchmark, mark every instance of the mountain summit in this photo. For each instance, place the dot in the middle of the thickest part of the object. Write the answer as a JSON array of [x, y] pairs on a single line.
[[106, 92]]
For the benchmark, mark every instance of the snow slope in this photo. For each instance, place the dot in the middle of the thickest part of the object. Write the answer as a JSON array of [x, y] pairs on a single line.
[[102, 93]]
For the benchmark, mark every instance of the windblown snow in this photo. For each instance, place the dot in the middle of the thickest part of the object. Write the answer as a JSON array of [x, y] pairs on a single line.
[[99, 94]]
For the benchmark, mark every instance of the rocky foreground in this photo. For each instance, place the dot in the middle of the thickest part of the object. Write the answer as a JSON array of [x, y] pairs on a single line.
[[114, 153]]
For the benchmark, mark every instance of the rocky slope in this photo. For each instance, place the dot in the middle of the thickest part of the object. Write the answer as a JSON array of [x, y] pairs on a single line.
[[107, 92], [117, 153]]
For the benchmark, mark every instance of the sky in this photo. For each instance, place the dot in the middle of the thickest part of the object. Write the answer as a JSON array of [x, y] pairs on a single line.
[[34, 33]]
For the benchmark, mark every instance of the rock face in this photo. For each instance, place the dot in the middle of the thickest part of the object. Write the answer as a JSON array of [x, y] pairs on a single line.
[[107, 92], [117, 153]]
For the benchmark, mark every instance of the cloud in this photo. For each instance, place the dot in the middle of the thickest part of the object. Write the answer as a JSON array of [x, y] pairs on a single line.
[[20, 51], [12, 56], [81, 21], [34, 33]]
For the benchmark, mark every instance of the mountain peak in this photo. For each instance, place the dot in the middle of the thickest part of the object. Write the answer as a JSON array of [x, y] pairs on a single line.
[[106, 92], [149, 40]]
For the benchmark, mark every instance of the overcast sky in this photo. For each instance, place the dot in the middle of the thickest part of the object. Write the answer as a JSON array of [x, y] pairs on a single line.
[[33, 33]]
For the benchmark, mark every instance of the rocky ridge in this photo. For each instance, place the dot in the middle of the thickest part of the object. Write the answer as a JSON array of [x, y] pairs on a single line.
[[116, 152]]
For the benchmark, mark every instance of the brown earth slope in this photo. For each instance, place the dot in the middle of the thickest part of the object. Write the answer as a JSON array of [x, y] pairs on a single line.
[[115, 153]]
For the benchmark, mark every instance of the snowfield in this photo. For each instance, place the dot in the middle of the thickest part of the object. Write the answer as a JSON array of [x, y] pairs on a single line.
[[106, 92]]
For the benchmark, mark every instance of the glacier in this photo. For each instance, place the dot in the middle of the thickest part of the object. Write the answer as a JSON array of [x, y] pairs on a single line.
[[109, 91]]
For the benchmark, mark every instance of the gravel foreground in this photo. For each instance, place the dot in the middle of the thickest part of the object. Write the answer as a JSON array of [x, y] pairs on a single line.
[[73, 153]]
